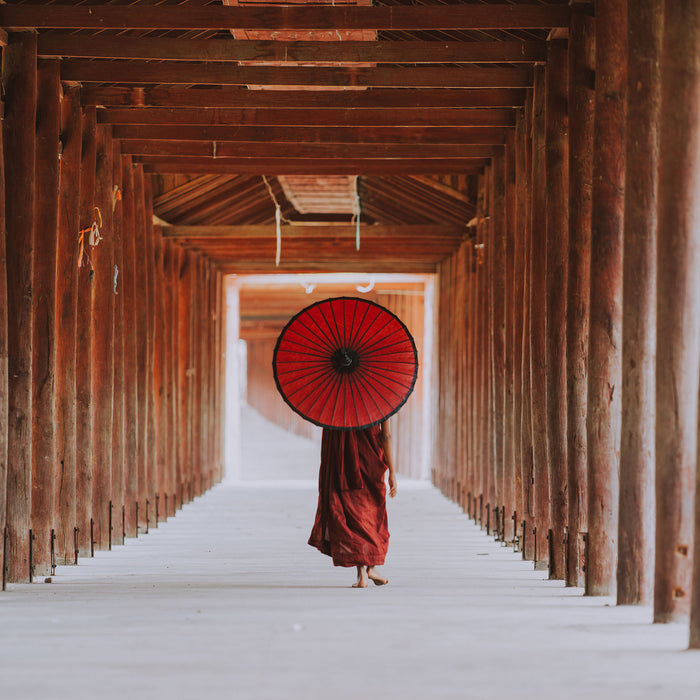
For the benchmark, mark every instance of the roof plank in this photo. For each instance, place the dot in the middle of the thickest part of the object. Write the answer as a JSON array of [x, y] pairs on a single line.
[[340, 134], [168, 49], [186, 73], [216, 17], [387, 98], [218, 116]]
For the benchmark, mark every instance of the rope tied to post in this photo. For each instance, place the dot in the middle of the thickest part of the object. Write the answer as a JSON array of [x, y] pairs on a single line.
[[95, 236], [278, 221]]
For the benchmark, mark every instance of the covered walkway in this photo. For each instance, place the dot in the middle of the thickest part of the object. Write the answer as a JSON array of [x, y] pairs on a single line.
[[226, 600]]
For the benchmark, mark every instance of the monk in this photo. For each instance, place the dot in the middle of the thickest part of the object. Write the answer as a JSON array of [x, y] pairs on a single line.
[[351, 522]]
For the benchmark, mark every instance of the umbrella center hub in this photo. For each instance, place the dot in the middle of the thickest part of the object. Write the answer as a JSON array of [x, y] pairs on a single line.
[[345, 360]]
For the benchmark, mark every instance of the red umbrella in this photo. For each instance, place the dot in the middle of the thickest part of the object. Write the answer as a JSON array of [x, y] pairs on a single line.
[[345, 363]]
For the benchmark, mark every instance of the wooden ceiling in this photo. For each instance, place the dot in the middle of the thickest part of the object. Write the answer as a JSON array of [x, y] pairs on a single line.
[[408, 99]]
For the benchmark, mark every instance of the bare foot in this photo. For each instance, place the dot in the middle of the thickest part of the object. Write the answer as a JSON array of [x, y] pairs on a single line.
[[375, 577], [362, 579]]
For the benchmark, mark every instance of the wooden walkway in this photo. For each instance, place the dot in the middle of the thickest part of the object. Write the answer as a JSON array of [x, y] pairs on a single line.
[[226, 600]]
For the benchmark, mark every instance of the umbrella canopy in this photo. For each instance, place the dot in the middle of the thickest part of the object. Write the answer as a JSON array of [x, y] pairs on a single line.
[[345, 363]]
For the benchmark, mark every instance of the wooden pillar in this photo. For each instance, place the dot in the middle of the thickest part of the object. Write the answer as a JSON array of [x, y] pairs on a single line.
[[83, 348], [131, 339], [557, 168], [119, 405], [518, 297], [196, 374], [143, 358], [581, 112], [169, 269], [66, 320], [605, 341], [509, 468], [184, 378], [678, 311], [498, 245], [19, 84], [636, 525], [43, 499], [159, 376], [177, 265], [3, 355], [152, 472], [538, 278], [102, 341]]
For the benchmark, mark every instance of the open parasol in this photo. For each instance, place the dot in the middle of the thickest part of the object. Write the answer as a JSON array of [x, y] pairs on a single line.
[[345, 363]]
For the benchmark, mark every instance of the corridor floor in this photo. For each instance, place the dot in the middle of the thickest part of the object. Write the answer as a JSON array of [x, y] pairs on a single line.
[[226, 600]]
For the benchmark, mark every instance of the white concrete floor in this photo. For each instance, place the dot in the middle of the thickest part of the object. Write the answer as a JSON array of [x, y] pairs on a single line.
[[228, 601]]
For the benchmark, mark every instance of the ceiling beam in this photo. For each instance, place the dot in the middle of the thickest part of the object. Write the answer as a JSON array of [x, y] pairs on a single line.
[[340, 134], [181, 73], [227, 149], [267, 266], [167, 49], [217, 17], [306, 166], [388, 98], [218, 116], [313, 231]]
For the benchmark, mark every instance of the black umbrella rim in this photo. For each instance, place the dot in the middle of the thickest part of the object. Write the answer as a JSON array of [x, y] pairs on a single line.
[[335, 427]]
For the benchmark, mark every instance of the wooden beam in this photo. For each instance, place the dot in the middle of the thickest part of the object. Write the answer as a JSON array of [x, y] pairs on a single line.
[[288, 166], [19, 83], [581, 66], [635, 580], [66, 321], [388, 98], [44, 299], [182, 116], [166, 49], [264, 231], [678, 320], [258, 266], [335, 18], [181, 73], [605, 341], [310, 136], [320, 151]]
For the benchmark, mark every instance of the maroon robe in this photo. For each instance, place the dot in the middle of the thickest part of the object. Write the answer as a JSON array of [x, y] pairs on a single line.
[[351, 523]]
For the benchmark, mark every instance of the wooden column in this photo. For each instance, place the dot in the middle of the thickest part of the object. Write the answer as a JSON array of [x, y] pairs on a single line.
[[66, 320], [83, 348], [508, 500], [119, 403], [518, 297], [143, 357], [538, 279], [102, 341], [605, 341], [131, 339], [184, 379], [169, 269], [636, 525], [196, 374], [152, 478], [581, 112], [557, 167], [498, 243], [176, 270], [3, 356], [678, 310], [43, 499], [159, 377], [19, 84]]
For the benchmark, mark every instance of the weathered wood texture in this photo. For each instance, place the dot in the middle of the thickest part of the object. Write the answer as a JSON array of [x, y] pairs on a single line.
[[102, 356], [678, 311], [84, 335], [4, 378], [66, 323], [605, 335], [19, 83], [557, 225], [538, 310], [581, 114], [43, 517], [636, 526]]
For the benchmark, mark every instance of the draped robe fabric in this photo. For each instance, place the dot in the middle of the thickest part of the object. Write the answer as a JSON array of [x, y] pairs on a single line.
[[351, 523]]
